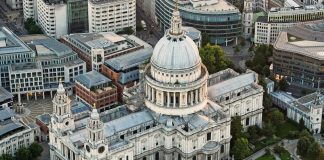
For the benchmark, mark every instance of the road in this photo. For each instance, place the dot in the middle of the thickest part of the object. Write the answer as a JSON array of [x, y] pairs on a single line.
[[153, 33], [16, 25]]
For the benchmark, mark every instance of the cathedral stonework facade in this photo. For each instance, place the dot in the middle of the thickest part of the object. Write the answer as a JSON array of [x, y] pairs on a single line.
[[177, 121]]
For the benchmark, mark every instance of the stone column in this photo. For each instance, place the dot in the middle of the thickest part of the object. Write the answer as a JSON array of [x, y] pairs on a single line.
[[174, 99], [162, 98], [27, 96], [168, 99], [191, 97], [43, 95], [153, 95], [35, 95], [51, 94], [196, 96]]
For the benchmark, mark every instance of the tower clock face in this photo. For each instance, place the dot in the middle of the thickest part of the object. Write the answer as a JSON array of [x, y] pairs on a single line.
[[87, 148]]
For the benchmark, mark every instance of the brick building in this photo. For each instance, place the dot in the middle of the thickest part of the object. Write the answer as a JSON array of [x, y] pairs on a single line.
[[94, 88]]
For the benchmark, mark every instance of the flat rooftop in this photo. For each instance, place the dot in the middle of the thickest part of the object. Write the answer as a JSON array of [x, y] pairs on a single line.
[[4, 94], [130, 60], [92, 79], [96, 40], [305, 39], [12, 44], [206, 6], [49, 47]]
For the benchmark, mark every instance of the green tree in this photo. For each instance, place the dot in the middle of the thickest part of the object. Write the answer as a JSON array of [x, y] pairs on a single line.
[[236, 128], [241, 148], [35, 149], [283, 84], [266, 71], [276, 117], [214, 58], [301, 124], [32, 27], [6, 157], [268, 129], [302, 146], [253, 133], [205, 39], [23, 154], [321, 154], [237, 49], [313, 151]]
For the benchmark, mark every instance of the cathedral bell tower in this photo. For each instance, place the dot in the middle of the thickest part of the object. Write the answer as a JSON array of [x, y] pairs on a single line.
[[62, 119], [96, 145]]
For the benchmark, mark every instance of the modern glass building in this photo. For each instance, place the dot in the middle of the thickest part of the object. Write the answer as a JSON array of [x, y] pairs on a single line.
[[77, 14], [218, 18]]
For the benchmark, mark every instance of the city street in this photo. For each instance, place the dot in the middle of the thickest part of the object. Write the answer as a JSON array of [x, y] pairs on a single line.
[[152, 34], [16, 24]]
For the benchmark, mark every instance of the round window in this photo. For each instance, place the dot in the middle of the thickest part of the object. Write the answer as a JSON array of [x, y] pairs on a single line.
[[67, 123], [101, 149]]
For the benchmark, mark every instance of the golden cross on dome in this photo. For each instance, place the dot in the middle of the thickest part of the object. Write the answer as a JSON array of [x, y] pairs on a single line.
[[94, 106]]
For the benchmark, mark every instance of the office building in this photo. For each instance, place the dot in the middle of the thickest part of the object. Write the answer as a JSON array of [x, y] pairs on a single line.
[[29, 9], [124, 70], [309, 108], [239, 95], [14, 133], [95, 48], [111, 16], [218, 18], [297, 55], [36, 64], [12, 51], [176, 120], [77, 16], [94, 88], [267, 28]]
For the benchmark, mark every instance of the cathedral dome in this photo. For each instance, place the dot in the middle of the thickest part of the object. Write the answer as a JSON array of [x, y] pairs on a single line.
[[175, 53]]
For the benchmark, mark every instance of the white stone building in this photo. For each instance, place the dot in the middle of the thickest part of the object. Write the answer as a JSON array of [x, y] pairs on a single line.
[[14, 133], [309, 108], [52, 17], [177, 122], [239, 94], [267, 28], [29, 9], [111, 16]]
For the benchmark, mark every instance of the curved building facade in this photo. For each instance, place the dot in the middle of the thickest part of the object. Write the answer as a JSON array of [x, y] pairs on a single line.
[[218, 18]]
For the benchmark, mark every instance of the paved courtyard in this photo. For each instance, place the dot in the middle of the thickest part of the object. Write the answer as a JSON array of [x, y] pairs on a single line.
[[37, 107]]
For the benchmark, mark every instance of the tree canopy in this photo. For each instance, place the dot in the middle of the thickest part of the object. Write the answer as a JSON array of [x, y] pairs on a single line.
[[35, 149], [23, 154], [307, 147], [32, 27], [241, 148], [214, 58]]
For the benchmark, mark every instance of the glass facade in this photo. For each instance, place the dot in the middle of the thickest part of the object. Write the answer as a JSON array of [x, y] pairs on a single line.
[[221, 26], [77, 16]]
